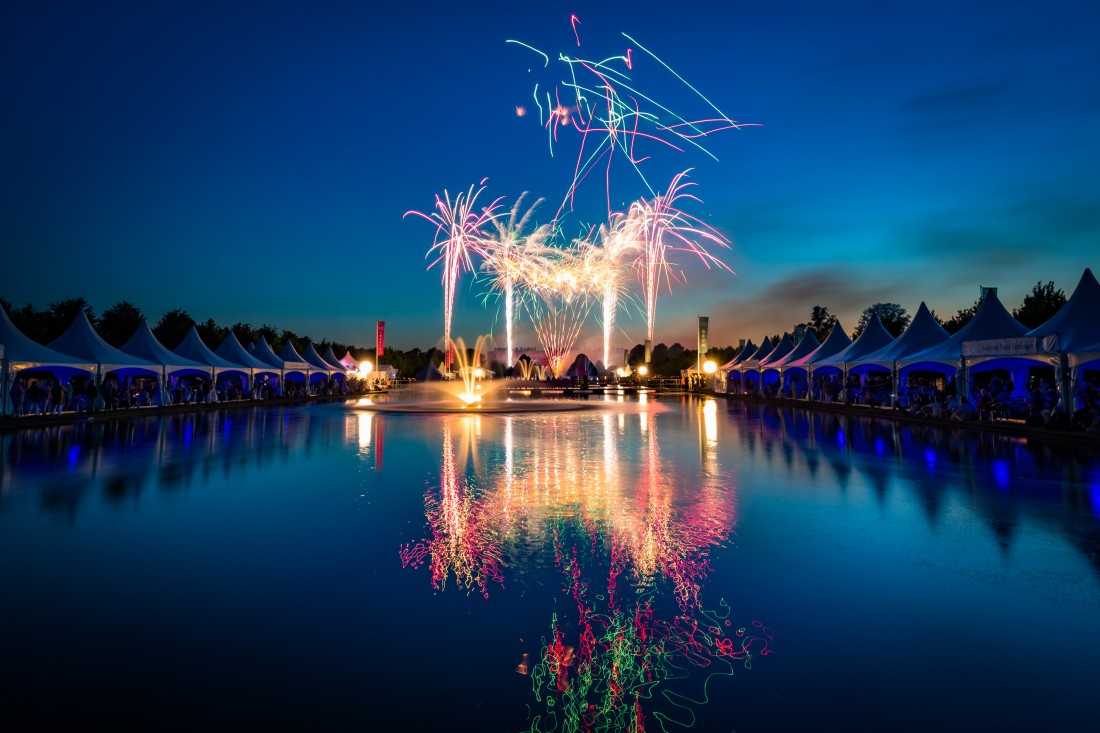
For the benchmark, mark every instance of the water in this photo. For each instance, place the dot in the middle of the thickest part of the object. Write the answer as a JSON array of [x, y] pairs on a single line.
[[713, 565]]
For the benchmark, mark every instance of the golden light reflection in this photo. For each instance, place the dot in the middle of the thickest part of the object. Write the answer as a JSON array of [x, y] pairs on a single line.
[[365, 421], [491, 505]]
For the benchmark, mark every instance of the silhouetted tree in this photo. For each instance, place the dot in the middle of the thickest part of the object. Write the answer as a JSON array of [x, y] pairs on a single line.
[[60, 315], [29, 320], [1039, 305], [960, 319], [173, 327], [271, 336], [821, 322], [244, 332], [211, 333], [894, 318], [119, 322]]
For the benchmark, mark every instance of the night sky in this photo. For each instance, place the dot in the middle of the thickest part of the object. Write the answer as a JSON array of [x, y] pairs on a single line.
[[254, 162]]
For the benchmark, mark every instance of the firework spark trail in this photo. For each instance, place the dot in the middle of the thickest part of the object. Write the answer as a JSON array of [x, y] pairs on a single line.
[[608, 113], [667, 228], [557, 298], [458, 233], [501, 250]]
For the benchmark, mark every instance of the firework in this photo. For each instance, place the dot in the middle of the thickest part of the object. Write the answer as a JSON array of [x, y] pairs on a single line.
[[459, 233], [502, 249]]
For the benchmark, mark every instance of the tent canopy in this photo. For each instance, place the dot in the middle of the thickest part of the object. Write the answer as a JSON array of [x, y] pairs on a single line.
[[230, 349], [192, 347], [805, 347], [81, 340], [833, 344], [145, 345], [1077, 323], [21, 352], [784, 347], [923, 332], [262, 351], [991, 321]]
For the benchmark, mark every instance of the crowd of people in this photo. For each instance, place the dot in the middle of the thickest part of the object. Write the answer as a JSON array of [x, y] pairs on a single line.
[[48, 395], [990, 400]]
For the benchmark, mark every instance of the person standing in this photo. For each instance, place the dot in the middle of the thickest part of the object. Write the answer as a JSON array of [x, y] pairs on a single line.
[[57, 397], [16, 393]]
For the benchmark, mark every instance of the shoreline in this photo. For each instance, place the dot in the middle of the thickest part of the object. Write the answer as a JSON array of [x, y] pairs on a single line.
[[27, 422], [888, 413]]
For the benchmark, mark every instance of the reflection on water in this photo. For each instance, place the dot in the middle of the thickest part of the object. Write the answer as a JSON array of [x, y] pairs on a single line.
[[615, 565], [621, 527]]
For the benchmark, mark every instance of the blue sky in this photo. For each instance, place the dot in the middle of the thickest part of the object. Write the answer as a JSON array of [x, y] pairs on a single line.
[[253, 162]]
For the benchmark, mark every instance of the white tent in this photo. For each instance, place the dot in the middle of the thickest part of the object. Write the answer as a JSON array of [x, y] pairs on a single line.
[[317, 362], [833, 344], [145, 345], [81, 340], [923, 332], [18, 352], [349, 362], [293, 361], [1075, 328], [874, 338], [192, 347]]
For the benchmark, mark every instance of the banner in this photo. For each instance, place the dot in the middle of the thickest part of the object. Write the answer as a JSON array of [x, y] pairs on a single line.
[[1023, 346], [704, 324], [380, 344]]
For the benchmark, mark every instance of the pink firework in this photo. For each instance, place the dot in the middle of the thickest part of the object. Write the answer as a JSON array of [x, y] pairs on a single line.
[[665, 228], [459, 233]]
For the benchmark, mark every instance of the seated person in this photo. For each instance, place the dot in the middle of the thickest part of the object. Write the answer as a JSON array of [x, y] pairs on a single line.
[[964, 411]]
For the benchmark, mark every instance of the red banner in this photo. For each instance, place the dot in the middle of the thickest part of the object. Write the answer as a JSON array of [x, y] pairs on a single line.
[[380, 344]]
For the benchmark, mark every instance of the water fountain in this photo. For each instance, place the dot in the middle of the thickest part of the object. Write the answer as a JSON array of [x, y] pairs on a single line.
[[471, 389]]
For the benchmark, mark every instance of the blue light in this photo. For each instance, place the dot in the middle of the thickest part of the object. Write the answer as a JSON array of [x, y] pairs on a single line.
[[1001, 473], [188, 432], [880, 446], [74, 455], [840, 437], [930, 459]]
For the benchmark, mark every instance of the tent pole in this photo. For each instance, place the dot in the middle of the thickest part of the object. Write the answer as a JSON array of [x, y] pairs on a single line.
[[5, 397]]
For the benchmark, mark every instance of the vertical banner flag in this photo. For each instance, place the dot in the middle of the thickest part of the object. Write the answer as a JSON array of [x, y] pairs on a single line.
[[380, 344]]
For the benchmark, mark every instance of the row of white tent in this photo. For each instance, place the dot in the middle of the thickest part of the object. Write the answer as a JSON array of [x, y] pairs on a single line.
[[82, 351], [1069, 341]]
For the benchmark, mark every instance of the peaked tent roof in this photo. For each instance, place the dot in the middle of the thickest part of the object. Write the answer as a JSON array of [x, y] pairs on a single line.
[[348, 361], [23, 352], [784, 347], [923, 332], [292, 360], [145, 345], [330, 358], [193, 348], [1077, 323], [263, 351], [805, 347], [430, 373], [833, 344], [874, 337], [746, 350], [314, 359], [231, 350], [761, 353], [582, 366], [991, 321], [81, 340]]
